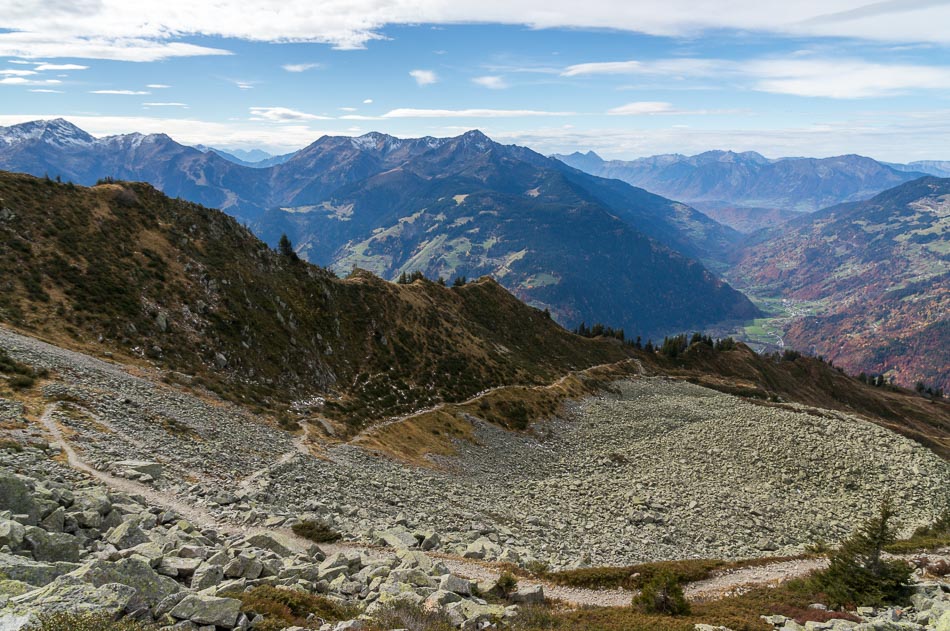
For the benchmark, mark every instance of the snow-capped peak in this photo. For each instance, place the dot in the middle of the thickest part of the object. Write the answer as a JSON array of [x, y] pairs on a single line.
[[58, 132]]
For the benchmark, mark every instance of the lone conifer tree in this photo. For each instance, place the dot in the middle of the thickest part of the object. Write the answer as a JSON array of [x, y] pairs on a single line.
[[286, 248]]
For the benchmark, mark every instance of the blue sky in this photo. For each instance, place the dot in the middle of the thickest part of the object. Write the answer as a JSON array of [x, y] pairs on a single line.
[[625, 79]]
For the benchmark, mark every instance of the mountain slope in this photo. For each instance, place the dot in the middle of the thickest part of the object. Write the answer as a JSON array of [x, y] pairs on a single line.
[[540, 230], [725, 178], [882, 269], [583, 247], [121, 267]]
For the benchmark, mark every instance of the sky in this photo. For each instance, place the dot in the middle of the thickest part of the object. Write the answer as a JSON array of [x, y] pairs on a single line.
[[625, 78]]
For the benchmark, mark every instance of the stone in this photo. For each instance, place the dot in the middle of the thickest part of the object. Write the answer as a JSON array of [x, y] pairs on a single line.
[[531, 595], [440, 598], [11, 534], [19, 568], [399, 539], [276, 543], [15, 496], [127, 535], [207, 575], [149, 586], [51, 546], [68, 593], [139, 467], [177, 567], [221, 612], [456, 584]]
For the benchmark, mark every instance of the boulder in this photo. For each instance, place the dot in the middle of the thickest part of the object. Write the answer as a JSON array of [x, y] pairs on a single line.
[[528, 595], [398, 538], [150, 587], [16, 497], [456, 584], [276, 543], [51, 546], [68, 593], [11, 534], [211, 610], [207, 575], [127, 535], [18, 568]]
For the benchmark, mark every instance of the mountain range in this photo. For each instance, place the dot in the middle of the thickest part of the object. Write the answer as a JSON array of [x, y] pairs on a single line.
[[715, 181], [880, 271], [584, 247]]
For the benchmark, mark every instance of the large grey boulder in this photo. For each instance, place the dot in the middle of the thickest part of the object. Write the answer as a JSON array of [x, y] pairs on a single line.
[[458, 585], [207, 575], [127, 535], [398, 538], [138, 468], [533, 595], [51, 546], [15, 496], [150, 587], [11, 534], [69, 593], [221, 612], [275, 542], [35, 573]]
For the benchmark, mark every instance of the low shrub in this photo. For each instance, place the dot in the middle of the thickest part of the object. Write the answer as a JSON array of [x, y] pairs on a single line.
[[316, 531], [10, 444], [411, 617], [663, 594], [936, 535], [21, 382], [507, 583], [289, 607], [89, 622]]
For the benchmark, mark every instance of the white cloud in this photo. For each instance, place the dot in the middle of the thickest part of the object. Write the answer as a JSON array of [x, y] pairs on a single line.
[[115, 29], [423, 77], [367, 101], [669, 67], [47, 43], [468, 113], [844, 78], [46, 91], [43, 67], [642, 107], [244, 85], [17, 73], [165, 104], [282, 115], [347, 109], [797, 75], [120, 92], [20, 61], [158, 86], [299, 67], [23, 81], [491, 82]]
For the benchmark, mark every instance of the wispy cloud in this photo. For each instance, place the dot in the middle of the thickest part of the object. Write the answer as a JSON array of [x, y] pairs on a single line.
[[638, 108], [367, 101], [423, 77], [112, 30], [25, 81], [121, 92], [46, 91], [10, 72], [468, 113], [43, 67], [491, 82], [244, 85], [165, 104], [158, 86], [299, 67], [282, 115]]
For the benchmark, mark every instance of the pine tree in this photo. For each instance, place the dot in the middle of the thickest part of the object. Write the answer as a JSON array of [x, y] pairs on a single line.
[[286, 248]]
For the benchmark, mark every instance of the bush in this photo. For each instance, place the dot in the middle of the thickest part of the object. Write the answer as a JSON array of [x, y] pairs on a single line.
[[412, 617], [289, 607], [89, 622], [858, 575], [21, 382], [662, 595], [507, 583], [316, 531]]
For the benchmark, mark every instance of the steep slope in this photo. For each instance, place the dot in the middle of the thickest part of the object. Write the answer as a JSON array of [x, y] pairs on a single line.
[[882, 270], [124, 269], [718, 178], [556, 237], [541, 229]]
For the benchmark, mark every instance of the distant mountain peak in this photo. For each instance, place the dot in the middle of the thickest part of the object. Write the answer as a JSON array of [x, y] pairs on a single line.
[[57, 131]]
